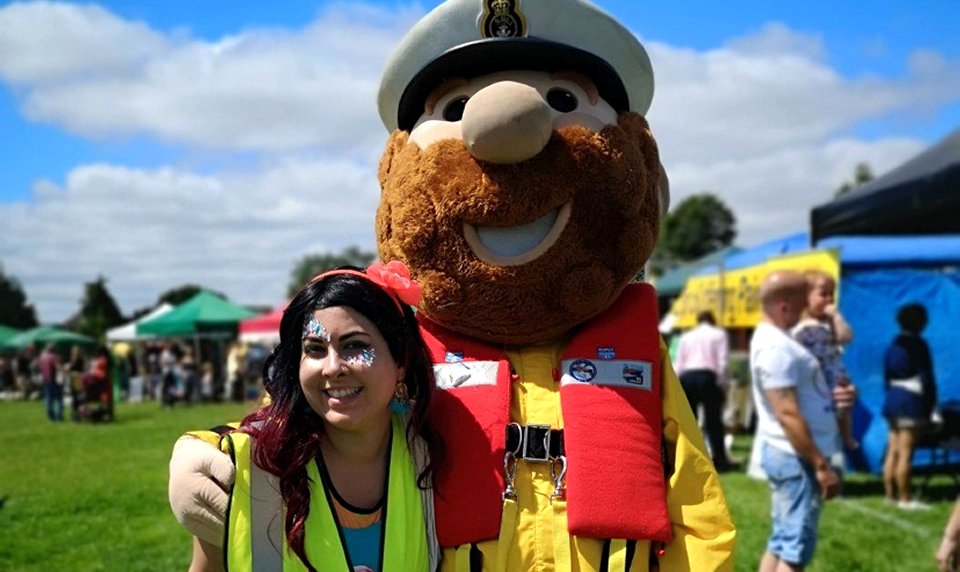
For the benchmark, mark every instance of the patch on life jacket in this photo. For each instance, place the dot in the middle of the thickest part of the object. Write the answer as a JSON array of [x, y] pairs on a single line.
[[581, 370], [617, 373], [465, 374], [606, 353]]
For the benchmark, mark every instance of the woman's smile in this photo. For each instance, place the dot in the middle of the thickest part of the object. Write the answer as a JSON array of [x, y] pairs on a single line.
[[343, 394]]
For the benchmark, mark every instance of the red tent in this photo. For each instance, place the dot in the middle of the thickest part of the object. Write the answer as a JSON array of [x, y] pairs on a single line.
[[263, 329]]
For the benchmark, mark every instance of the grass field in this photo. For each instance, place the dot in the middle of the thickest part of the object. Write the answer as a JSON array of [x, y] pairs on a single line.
[[93, 498]]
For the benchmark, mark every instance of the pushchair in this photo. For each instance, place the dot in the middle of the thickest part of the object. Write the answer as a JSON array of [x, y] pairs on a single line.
[[95, 399]]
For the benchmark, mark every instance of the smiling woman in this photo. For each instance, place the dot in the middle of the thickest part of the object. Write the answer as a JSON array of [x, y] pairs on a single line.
[[344, 449]]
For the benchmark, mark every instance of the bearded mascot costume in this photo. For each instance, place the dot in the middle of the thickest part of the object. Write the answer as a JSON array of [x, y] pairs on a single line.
[[522, 187]]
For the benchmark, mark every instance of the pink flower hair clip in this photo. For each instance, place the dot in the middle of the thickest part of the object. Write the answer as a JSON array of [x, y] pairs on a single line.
[[393, 277]]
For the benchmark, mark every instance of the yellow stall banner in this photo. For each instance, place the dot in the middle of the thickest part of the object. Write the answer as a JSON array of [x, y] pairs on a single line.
[[734, 295]]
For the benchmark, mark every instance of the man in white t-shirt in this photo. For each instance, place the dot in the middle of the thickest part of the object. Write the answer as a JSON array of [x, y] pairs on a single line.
[[796, 423]]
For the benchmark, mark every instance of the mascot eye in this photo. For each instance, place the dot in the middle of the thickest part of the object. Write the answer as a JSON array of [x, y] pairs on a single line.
[[454, 110], [562, 100]]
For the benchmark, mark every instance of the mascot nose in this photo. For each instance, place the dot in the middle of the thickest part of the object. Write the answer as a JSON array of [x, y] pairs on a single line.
[[506, 122]]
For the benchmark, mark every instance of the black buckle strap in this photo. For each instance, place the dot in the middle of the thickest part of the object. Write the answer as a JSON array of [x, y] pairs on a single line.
[[537, 443]]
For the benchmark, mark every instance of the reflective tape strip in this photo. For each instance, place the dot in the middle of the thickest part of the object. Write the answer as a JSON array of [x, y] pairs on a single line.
[[465, 374], [266, 524], [911, 384]]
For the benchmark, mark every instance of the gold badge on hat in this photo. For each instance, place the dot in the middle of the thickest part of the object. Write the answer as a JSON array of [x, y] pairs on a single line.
[[502, 19]]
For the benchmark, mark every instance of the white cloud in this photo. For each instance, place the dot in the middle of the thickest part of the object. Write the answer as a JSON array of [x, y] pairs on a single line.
[[148, 231], [775, 38], [272, 90], [46, 43], [772, 194], [728, 102], [763, 121]]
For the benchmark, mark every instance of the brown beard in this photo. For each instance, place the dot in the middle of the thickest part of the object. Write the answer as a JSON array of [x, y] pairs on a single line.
[[611, 179]]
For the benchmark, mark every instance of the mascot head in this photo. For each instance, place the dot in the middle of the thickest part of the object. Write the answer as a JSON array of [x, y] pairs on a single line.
[[521, 184]]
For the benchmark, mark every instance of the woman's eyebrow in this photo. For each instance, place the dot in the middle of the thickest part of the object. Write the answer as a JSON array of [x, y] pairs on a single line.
[[354, 334]]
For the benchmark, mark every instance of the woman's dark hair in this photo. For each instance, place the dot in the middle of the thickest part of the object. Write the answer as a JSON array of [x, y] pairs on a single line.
[[912, 318], [288, 431]]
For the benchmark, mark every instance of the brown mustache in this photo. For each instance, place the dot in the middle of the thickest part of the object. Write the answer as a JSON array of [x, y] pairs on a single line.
[[575, 162]]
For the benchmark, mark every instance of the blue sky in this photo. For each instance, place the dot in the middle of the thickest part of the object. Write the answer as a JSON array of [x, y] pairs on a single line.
[[257, 112]]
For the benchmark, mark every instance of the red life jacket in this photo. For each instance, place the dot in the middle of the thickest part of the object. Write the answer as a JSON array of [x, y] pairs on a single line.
[[610, 390]]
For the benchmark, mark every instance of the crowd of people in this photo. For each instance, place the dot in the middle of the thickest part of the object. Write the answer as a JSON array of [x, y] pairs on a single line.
[[81, 383], [70, 381], [172, 374]]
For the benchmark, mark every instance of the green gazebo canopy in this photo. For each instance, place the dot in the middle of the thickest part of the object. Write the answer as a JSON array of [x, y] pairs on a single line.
[[6, 332], [43, 335], [205, 313]]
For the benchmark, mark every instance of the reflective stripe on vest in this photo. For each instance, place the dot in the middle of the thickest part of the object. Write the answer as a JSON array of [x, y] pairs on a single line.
[[255, 521], [612, 410]]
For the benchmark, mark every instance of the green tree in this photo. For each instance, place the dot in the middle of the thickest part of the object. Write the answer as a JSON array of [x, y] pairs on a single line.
[[98, 310], [698, 225], [313, 264], [179, 295], [14, 309], [174, 297], [862, 174]]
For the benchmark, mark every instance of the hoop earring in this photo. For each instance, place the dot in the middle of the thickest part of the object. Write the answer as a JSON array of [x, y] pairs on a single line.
[[401, 402]]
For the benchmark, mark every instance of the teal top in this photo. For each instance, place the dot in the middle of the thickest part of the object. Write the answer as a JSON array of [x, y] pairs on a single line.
[[363, 546]]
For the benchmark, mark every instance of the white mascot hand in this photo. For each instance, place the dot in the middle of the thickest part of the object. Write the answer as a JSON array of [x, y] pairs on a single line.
[[200, 476]]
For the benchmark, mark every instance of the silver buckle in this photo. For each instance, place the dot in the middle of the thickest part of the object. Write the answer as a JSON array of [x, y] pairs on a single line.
[[536, 443]]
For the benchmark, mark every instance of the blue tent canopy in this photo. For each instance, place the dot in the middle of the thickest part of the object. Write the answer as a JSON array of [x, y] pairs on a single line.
[[792, 243], [926, 250], [870, 251], [759, 254]]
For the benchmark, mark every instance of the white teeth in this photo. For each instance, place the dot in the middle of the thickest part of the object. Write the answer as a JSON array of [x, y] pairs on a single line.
[[341, 393]]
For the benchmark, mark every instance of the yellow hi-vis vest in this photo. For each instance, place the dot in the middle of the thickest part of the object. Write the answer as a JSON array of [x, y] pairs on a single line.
[[254, 531]]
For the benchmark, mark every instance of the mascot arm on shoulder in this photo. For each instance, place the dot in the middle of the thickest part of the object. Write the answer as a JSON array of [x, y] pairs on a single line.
[[522, 186], [200, 478]]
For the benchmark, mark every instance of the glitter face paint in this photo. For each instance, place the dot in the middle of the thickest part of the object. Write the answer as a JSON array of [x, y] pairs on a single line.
[[361, 357], [312, 327]]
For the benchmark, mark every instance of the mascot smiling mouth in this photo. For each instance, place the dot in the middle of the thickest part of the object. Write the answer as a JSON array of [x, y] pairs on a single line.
[[516, 245]]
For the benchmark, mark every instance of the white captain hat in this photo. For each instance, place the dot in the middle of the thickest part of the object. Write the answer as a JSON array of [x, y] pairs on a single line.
[[468, 38]]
